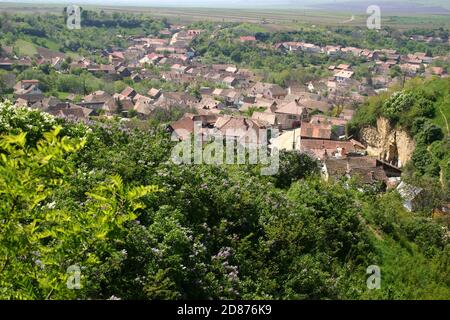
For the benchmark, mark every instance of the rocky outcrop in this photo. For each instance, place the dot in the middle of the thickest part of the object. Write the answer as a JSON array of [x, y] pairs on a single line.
[[391, 144]]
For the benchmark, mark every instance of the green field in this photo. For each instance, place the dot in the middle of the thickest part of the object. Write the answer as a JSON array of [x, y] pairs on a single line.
[[268, 19], [25, 48]]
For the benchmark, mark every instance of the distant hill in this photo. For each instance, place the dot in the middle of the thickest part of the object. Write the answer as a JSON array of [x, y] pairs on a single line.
[[391, 7], [416, 5]]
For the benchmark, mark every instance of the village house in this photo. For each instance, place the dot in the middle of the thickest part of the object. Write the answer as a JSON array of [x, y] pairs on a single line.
[[99, 101], [28, 90], [115, 57], [143, 106], [231, 69], [128, 92], [267, 105], [133, 53], [242, 129], [343, 76], [269, 117], [180, 69], [316, 130], [70, 111], [46, 103], [182, 129], [321, 118], [368, 55], [343, 66], [81, 64], [332, 51], [221, 67], [352, 51], [176, 77], [56, 63], [310, 48], [409, 69], [288, 46], [6, 64], [322, 149], [364, 169], [411, 59], [136, 77], [170, 99], [154, 93], [274, 92], [155, 42], [209, 104], [230, 82], [107, 69], [123, 72], [178, 58], [291, 114], [388, 54], [438, 71], [230, 97], [315, 105], [152, 58]]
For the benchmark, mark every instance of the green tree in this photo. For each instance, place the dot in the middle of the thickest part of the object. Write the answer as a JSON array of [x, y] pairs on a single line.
[[294, 165]]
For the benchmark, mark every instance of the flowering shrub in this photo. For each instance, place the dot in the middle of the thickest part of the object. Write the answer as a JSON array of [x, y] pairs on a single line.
[[14, 120], [215, 232], [40, 238]]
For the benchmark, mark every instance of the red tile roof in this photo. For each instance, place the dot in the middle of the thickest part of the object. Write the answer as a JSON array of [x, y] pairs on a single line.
[[247, 38], [318, 131]]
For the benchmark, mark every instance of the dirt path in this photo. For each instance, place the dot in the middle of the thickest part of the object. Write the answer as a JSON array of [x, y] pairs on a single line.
[[445, 118]]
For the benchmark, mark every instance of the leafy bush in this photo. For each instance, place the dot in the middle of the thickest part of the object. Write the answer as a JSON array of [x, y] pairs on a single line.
[[294, 166], [398, 103], [206, 232]]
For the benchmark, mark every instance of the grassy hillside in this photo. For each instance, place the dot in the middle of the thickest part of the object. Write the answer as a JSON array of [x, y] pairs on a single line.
[[25, 48]]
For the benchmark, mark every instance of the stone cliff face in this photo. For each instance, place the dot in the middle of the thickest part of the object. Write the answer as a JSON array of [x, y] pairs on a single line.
[[388, 143]]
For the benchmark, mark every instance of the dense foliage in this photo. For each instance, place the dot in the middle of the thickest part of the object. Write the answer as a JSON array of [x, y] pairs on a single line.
[[75, 195], [422, 108], [99, 30]]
